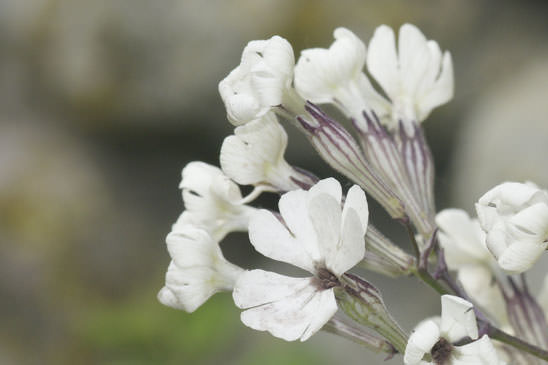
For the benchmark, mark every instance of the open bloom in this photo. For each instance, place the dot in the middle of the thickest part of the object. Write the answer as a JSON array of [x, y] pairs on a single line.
[[318, 237], [212, 201], [416, 77], [197, 270], [265, 73], [515, 218], [254, 155], [457, 322], [335, 75]]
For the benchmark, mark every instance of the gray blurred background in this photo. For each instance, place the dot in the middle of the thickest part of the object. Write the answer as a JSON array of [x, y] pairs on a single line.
[[103, 102]]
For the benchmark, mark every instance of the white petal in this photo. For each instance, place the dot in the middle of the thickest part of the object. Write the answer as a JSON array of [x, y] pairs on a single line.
[[192, 246], [461, 238], [329, 75], [498, 239], [325, 214], [357, 201], [351, 248], [421, 342], [197, 271], [272, 239], [533, 220], [288, 308], [255, 153], [414, 57], [293, 208], [520, 256], [187, 289], [509, 194], [382, 60], [477, 281], [440, 92], [457, 318], [480, 352], [328, 186]]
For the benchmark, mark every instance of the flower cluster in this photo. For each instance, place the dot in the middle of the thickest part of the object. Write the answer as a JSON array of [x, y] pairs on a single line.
[[326, 232]]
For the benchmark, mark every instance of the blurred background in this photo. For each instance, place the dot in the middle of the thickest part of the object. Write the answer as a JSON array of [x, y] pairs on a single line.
[[103, 102]]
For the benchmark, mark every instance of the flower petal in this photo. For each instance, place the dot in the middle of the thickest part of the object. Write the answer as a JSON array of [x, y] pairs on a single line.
[[440, 92], [320, 72], [457, 318], [357, 201], [480, 352], [328, 186], [533, 220], [255, 153], [325, 214], [520, 256], [477, 281], [351, 248], [414, 57], [382, 60], [421, 342], [288, 308], [461, 238], [293, 207], [272, 239], [188, 289]]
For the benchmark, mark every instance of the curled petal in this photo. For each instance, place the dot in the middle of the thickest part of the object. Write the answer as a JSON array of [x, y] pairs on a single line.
[[457, 318], [521, 256], [255, 154], [421, 342]]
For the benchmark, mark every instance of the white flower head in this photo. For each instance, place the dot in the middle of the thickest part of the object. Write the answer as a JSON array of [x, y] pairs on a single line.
[[212, 201], [416, 77], [457, 322], [259, 82], [335, 75], [515, 219], [197, 270], [319, 237], [254, 155]]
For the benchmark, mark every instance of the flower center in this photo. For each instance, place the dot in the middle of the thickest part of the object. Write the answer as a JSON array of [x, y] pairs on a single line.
[[326, 279], [441, 351]]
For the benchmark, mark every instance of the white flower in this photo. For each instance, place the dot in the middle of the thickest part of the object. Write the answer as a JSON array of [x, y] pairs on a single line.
[[259, 82], [515, 218], [416, 77], [335, 75], [317, 237], [457, 322], [254, 155], [197, 270], [212, 201]]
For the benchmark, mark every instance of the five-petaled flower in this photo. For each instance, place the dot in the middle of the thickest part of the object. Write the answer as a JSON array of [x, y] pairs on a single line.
[[316, 235], [458, 321]]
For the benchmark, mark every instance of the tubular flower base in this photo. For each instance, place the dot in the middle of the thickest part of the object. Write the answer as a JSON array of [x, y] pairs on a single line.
[[487, 317]]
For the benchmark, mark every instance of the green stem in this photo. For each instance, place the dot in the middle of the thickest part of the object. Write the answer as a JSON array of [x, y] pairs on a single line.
[[516, 343]]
